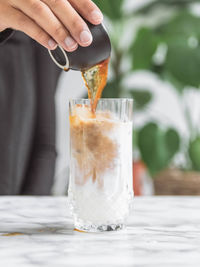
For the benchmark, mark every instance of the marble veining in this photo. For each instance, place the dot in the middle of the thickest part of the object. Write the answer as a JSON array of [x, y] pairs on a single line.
[[38, 231]]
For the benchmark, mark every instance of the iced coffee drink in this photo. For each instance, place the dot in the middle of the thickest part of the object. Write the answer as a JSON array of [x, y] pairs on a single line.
[[100, 190]]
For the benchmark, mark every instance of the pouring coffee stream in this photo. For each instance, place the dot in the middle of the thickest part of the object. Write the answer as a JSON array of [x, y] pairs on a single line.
[[95, 80], [92, 61]]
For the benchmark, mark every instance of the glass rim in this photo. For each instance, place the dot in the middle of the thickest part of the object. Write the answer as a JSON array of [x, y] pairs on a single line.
[[101, 99]]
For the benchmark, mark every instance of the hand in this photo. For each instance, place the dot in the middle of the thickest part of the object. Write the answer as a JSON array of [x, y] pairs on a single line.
[[51, 22]]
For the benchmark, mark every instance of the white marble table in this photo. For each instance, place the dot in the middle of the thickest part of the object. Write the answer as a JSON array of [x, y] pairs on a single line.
[[162, 231]]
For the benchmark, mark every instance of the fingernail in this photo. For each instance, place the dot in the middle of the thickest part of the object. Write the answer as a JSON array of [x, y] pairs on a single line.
[[96, 16], [85, 37], [70, 43], [52, 44]]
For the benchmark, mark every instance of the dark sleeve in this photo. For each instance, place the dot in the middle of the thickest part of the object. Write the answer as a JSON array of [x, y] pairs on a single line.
[[41, 169], [5, 35]]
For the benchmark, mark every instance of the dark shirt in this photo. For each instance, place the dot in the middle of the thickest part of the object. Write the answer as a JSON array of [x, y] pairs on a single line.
[[28, 80]]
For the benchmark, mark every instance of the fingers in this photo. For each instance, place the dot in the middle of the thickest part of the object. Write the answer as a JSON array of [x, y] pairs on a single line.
[[71, 20], [88, 10], [23, 23], [41, 14], [59, 19]]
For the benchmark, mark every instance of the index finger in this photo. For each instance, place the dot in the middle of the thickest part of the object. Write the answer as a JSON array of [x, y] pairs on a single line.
[[88, 10], [71, 19]]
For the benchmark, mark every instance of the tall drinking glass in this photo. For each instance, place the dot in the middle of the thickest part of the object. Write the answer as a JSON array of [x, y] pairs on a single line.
[[100, 187]]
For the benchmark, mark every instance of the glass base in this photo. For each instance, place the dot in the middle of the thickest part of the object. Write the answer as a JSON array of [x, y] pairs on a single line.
[[95, 228]]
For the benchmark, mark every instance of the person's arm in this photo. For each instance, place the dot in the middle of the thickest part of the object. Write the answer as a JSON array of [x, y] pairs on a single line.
[[50, 22]]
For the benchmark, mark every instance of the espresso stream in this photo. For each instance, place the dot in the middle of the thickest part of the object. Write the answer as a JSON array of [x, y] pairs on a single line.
[[93, 150], [95, 80]]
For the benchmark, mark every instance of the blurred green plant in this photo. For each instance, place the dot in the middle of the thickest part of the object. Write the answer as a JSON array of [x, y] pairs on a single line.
[[170, 49], [194, 153], [141, 98], [181, 36], [113, 9], [157, 147], [180, 66]]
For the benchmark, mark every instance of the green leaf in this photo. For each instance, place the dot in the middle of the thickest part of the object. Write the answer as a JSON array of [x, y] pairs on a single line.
[[164, 3], [157, 147], [183, 62], [149, 140], [112, 90], [111, 8], [141, 98], [183, 24], [172, 142], [143, 49], [182, 35], [194, 153]]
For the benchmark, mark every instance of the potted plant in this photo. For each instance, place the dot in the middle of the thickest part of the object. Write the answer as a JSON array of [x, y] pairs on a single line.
[[180, 66], [169, 48], [117, 23]]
